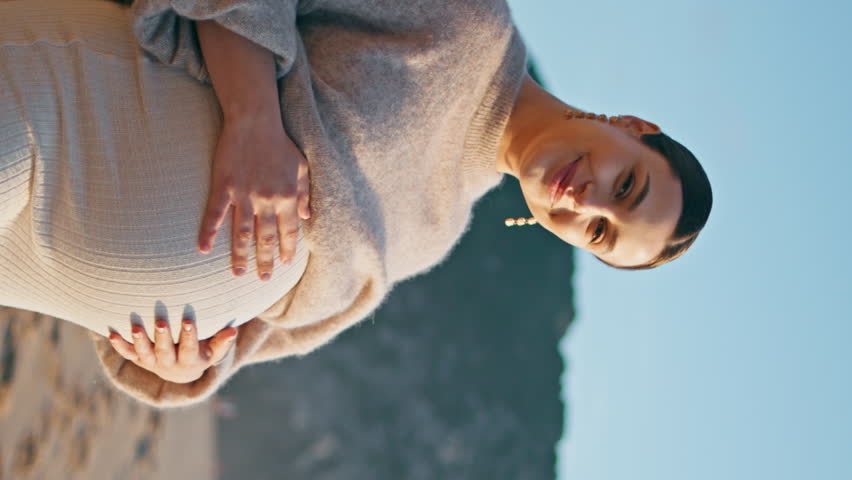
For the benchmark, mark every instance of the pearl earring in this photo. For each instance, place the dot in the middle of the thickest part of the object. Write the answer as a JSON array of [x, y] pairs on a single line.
[[521, 221]]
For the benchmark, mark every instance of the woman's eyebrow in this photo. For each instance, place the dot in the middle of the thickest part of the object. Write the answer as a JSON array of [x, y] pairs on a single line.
[[610, 243], [642, 194], [613, 237]]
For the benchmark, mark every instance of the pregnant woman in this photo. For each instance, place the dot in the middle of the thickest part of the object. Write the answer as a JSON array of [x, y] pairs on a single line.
[[126, 134]]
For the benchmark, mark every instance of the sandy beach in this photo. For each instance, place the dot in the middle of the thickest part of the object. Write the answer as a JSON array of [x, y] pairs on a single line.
[[59, 419]]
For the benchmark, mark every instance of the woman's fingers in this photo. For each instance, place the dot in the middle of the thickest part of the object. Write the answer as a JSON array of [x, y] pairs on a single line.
[[288, 219], [188, 346], [220, 344], [123, 347], [267, 232], [288, 233], [304, 187], [164, 347], [182, 364], [243, 230], [304, 207], [217, 207], [142, 345]]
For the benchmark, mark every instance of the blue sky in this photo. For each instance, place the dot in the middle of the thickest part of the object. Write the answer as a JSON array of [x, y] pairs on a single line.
[[734, 362]]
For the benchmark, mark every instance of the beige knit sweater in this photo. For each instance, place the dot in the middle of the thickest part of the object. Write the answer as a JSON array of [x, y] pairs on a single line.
[[398, 106]]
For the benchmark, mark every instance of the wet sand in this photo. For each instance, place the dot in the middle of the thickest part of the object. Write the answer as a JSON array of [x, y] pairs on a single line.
[[59, 419]]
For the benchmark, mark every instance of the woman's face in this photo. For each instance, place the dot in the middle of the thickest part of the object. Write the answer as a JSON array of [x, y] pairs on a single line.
[[598, 187]]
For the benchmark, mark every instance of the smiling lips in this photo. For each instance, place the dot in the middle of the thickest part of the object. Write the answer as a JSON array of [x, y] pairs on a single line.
[[561, 181]]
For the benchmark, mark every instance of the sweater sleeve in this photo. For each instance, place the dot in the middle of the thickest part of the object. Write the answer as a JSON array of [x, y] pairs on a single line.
[[166, 29], [258, 341]]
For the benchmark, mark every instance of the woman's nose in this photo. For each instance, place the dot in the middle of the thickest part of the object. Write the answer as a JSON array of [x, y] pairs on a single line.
[[589, 200]]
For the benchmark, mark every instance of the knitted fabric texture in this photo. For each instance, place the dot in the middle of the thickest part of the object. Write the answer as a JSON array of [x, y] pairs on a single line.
[[399, 108]]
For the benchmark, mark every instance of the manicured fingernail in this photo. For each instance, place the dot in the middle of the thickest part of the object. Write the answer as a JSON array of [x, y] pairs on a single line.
[[187, 326], [265, 276], [239, 270], [161, 326]]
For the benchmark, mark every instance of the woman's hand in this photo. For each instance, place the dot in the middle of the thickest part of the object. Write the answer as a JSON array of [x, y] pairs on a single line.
[[262, 173], [182, 364]]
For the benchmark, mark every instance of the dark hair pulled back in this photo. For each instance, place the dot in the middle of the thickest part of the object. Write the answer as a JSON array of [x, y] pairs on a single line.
[[697, 198]]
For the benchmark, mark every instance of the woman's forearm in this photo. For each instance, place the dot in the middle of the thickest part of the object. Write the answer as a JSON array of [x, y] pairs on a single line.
[[242, 73]]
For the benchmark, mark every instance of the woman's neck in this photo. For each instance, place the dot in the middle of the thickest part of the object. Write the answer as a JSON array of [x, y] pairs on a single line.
[[535, 109]]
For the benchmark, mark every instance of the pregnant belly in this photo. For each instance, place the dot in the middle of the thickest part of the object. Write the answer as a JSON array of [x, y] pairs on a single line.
[[110, 282], [119, 150]]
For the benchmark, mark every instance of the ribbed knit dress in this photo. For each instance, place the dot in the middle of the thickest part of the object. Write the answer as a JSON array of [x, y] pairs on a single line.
[[104, 172], [107, 129]]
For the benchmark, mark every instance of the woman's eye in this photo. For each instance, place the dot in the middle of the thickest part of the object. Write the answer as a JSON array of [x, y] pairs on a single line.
[[626, 186], [599, 230]]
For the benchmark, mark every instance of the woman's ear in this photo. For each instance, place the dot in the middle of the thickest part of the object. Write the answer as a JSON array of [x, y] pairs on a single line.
[[637, 126]]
